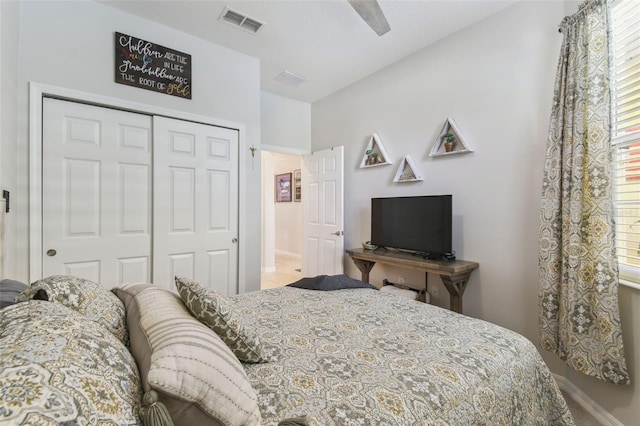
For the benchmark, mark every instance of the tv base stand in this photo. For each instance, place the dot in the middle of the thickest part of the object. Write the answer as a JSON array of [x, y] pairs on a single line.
[[454, 273]]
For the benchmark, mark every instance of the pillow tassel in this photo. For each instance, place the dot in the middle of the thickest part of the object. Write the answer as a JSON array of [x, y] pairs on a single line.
[[156, 413]]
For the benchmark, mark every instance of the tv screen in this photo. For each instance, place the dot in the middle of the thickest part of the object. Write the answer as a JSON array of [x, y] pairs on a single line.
[[420, 224]]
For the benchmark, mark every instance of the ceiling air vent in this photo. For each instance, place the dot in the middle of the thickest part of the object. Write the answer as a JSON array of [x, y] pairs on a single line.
[[291, 79], [240, 20]]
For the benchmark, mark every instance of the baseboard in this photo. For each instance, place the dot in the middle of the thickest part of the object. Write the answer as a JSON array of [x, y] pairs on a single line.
[[586, 402], [269, 269]]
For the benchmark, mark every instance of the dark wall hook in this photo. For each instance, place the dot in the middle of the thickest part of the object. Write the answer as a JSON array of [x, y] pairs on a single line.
[[5, 195]]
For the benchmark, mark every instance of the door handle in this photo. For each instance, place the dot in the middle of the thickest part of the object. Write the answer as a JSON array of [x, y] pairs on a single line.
[[338, 233], [51, 252], [235, 240]]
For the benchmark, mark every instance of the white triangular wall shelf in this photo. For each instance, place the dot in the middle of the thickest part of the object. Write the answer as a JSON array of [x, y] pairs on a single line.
[[407, 171], [375, 154], [460, 146]]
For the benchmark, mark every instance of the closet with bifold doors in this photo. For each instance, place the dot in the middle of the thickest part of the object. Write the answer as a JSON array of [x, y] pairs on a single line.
[[132, 197]]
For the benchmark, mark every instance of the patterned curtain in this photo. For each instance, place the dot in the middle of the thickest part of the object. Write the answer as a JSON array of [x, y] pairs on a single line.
[[579, 316]]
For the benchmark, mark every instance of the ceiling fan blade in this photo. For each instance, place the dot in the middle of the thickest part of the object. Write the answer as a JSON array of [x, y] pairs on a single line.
[[372, 14]]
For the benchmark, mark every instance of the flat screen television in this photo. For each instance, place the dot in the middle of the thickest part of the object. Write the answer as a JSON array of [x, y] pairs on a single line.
[[420, 224]]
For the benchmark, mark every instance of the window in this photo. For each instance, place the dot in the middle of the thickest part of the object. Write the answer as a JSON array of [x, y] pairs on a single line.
[[625, 129]]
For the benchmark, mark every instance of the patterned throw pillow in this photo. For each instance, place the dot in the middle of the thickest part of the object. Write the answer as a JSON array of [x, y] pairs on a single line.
[[89, 299], [213, 310], [187, 370], [57, 367]]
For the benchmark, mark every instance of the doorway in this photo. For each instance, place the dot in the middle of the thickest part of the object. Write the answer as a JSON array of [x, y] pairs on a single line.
[[282, 223]]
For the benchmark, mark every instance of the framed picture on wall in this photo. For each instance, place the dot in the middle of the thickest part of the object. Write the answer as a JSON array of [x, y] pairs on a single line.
[[297, 185], [283, 187]]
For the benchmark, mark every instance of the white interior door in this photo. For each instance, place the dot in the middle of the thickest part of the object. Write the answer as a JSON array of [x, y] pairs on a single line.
[[322, 199], [96, 185], [196, 185]]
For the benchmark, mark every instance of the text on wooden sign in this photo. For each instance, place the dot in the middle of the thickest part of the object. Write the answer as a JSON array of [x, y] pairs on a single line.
[[142, 64]]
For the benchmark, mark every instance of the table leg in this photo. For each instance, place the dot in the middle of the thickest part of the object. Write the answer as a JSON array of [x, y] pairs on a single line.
[[455, 286], [364, 266]]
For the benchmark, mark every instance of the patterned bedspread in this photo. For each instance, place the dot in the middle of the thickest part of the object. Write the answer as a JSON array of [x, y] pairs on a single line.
[[361, 357]]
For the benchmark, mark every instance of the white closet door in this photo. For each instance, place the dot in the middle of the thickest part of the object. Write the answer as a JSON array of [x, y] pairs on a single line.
[[196, 190], [96, 185]]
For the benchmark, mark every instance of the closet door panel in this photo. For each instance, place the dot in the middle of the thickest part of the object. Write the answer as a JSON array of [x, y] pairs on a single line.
[[82, 182], [134, 188], [133, 269], [217, 266], [182, 264], [89, 270], [196, 180], [219, 208], [96, 171], [182, 200]]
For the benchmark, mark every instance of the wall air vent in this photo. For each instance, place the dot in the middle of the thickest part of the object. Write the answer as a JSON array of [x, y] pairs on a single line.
[[291, 79], [240, 20]]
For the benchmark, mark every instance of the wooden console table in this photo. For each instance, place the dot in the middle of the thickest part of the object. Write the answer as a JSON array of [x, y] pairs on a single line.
[[454, 273]]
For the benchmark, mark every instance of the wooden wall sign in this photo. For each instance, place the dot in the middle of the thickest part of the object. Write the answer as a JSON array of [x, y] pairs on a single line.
[[140, 63]]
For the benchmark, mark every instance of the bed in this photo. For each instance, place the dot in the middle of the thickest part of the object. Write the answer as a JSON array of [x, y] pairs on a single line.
[[286, 356], [360, 356]]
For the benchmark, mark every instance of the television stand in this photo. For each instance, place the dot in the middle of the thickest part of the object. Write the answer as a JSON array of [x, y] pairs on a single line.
[[454, 273]]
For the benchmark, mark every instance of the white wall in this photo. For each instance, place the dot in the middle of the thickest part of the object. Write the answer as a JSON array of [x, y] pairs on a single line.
[[268, 214], [496, 80], [288, 216], [9, 17], [286, 124], [282, 230], [71, 45]]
